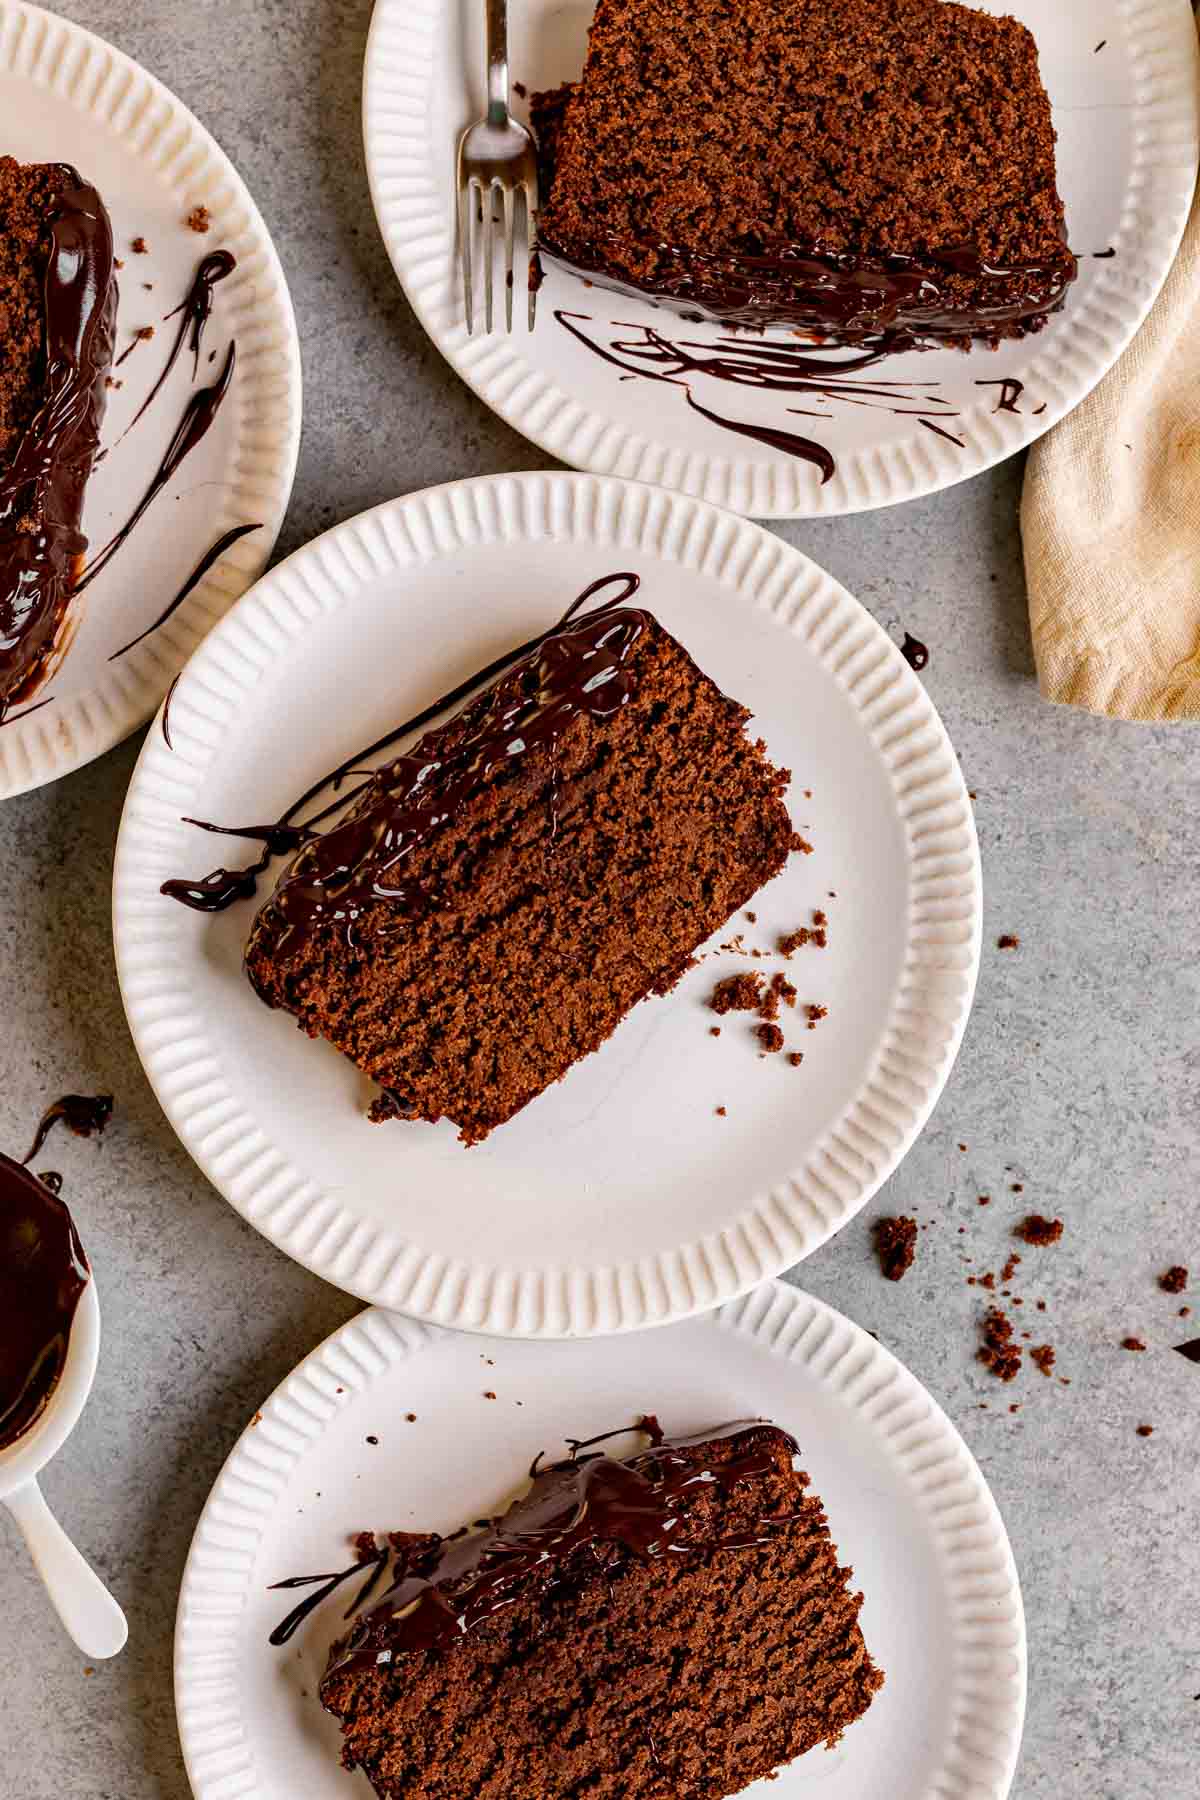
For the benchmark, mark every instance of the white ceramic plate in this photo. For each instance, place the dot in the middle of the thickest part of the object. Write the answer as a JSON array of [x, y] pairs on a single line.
[[1127, 128], [908, 1508], [619, 1198], [67, 96]]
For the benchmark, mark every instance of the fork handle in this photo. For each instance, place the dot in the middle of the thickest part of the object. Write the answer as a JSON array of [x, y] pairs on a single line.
[[497, 60]]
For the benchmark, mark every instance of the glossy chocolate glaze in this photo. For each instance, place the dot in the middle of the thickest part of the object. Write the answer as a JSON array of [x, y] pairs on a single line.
[[198, 416], [43, 1272], [823, 371], [841, 296], [83, 1114], [223, 887], [582, 1503], [345, 871], [166, 713], [914, 652], [193, 313], [1010, 392], [940, 431], [42, 487], [194, 579]]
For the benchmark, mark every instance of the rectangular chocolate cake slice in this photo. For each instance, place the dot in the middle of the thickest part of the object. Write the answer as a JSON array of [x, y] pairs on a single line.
[[673, 1625], [499, 897], [854, 170], [58, 304]]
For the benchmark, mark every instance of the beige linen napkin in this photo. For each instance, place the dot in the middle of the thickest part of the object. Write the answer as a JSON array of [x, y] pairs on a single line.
[[1110, 518]]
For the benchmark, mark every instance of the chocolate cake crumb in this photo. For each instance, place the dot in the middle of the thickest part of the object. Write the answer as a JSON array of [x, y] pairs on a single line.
[[770, 1037], [753, 918], [520, 90], [411, 1418], [985, 1199], [721, 1112], [1044, 1357], [819, 918], [795, 1057], [769, 1009], [737, 993], [895, 1245], [199, 219], [372, 1440], [1039, 1231], [1018, 1187], [139, 246], [1145, 1431], [796, 842], [1009, 941], [1132, 1343], [1185, 1312], [488, 1394], [714, 1031], [1174, 1281], [781, 986], [794, 940], [815, 1014], [999, 1354], [1010, 1268]]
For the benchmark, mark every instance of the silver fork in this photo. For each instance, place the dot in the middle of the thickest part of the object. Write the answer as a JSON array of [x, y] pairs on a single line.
[[497, 159]]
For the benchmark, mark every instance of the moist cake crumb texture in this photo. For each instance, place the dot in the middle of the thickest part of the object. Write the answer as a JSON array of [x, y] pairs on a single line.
[[702, 132], [27, 197], [573, 878], [617, 1671]]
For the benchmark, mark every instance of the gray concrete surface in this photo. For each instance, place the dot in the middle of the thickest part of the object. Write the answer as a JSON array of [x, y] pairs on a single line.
[[1080, 1077]]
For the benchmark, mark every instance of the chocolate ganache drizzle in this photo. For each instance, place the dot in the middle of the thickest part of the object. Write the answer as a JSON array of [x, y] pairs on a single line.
[[822, 371], [198, 416], [193, 313], [43, 1272], [83, 1114], [586, 1501], [576, 666], [842, 296], [42, 488]]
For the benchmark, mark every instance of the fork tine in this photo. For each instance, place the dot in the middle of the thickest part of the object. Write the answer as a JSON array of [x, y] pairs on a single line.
[[465, 210], [509, 197], [489, 234], [531, 218]]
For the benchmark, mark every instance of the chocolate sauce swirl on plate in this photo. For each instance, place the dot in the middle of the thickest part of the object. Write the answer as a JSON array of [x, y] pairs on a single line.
[[824, 372], [198, 416], [211, 556], [193, 312]]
